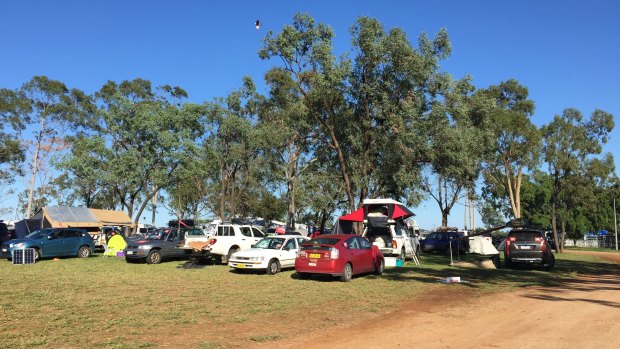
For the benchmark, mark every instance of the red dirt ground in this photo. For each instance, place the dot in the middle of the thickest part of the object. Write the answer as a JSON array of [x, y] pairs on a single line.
[[581, 313]]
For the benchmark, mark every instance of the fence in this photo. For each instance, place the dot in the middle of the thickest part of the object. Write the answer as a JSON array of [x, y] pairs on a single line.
[[607, 241]]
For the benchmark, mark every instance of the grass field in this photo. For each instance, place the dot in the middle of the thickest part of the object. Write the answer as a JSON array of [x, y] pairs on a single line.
[[106, 303]]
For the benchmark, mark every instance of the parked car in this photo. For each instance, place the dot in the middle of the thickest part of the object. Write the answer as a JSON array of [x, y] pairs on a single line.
[[525, 246], [442, 240], [52, 242], [158, 246], [271, 254], [342, 255], [231, 238]]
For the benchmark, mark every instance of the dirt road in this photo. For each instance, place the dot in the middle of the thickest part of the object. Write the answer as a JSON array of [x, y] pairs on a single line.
[[582, 313]]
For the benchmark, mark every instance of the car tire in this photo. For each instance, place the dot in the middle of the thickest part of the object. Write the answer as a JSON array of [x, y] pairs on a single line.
[[37, 254], [273, 267], [154, 257], [418, 252], [347, 273], [303, 276], [84, 252], [551, 263], [230, 253], [379, 268], [508, 263], [496, 262], [402, 255]]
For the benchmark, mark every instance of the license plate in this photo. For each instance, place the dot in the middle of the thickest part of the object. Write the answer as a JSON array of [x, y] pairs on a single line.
[[241, 266], [315, 255], [312, 264], [525, 247], [129, 252]]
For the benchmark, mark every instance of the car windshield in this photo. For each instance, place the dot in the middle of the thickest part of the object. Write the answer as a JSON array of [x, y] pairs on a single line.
[[270, 243], [157, 235], [432, 236], [38, 234]]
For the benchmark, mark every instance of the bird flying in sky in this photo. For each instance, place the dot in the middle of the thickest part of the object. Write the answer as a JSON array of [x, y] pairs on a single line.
[[257, 24]]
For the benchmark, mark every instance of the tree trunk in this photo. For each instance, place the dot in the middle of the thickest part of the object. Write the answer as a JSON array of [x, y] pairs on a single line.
[[153, 208], [554, 200], [35, 168], [561, 244], [444, 217]]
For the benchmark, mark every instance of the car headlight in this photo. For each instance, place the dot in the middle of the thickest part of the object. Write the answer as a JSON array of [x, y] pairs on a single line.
[[144, 247], [19, 245], [257, 259]]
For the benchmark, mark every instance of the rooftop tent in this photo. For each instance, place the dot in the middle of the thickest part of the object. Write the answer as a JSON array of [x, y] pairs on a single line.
[[357, 216], [108, 217]]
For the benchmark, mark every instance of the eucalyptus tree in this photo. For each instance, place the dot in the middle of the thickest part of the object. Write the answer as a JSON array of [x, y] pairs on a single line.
[[366, 108], [291, 136], [235, 148], [50, 109], [516, 147], [11, 150], [459, 140], [134, 142], [570, 144]]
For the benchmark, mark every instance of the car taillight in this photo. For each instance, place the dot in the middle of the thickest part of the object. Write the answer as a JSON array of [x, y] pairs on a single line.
[[538, 239], [333, 253], [508, 240], [543, 245], [512, 238], [212, 241], [394, 244]]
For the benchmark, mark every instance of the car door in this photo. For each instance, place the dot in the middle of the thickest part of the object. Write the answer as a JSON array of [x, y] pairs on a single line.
[[246, 240], [257, 234], [289, 252], [367, 259], [175, 238], [354, 254], [52, 244], [71, 240]]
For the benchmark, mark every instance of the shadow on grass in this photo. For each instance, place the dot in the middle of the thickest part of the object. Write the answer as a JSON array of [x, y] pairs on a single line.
[[435, 267]]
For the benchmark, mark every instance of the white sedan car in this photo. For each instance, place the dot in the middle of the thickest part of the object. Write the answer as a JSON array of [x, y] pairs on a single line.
[[271, 254]]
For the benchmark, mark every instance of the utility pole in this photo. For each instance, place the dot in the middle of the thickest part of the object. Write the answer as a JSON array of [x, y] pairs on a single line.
[[615, 224]]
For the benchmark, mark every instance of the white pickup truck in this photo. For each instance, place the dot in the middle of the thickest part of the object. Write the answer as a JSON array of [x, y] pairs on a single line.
[[231, 238]]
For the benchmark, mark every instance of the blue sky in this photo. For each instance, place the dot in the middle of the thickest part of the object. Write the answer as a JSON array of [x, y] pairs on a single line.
[[565, 52]]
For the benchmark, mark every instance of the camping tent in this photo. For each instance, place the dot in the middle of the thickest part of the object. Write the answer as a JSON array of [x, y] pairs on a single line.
[[91, 219]]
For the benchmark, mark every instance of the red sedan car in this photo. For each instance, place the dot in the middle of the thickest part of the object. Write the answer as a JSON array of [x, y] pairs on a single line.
[[338, 255]]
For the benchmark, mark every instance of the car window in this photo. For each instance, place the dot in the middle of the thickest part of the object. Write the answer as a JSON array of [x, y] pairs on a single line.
[[525, 235], [300, 241], [73, 233], [353, 244], [258, 233], [57, 234], [224, 230], [290, 244], [194, 232], [364, 244], [246, 231]]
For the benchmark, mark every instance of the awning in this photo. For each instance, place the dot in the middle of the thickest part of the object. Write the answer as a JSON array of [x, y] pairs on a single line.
[[109, 217], [401, 212], [357, 216]]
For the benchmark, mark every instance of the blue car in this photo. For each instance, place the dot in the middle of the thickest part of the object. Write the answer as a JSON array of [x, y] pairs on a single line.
[[52, 242], [440, 241]]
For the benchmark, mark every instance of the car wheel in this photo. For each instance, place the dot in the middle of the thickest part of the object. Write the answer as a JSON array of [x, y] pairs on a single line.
[[379, 268], [303, 276], [230, 253], [154, 257], [508, 263], [83, 252], [495, 261], [347, 273], [37, 254], [418, 252], [273, 267], [402, 255], [550, 263]]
